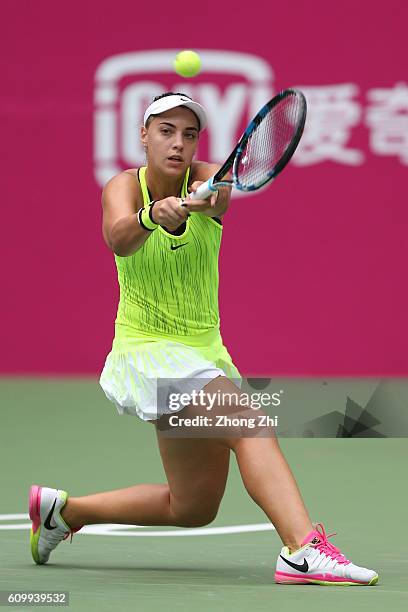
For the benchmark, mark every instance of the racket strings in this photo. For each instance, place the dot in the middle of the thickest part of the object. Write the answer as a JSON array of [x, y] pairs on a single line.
[[269, 142]]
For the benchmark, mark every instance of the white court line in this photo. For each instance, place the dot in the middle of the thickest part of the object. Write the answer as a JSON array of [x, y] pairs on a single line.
[[13, 517], [200, 531], [123, 530]]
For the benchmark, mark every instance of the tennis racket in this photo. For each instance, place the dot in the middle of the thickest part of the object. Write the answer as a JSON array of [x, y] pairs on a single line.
[[264, 148]]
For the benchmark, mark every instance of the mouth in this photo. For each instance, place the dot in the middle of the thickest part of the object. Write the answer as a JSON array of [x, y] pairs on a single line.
[[175, 158]]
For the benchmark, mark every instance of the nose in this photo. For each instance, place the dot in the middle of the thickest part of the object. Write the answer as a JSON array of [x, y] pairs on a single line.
[[178, 142]]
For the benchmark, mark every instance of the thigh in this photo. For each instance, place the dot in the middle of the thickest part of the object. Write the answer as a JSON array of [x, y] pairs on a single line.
[[196, 471], [220, 411]]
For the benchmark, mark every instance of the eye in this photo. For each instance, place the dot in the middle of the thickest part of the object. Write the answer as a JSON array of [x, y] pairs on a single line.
[[165, 130], [191, 135]]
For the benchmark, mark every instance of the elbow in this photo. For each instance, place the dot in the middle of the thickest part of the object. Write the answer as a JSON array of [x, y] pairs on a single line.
[[122, 250], [114, 248], [121, 243], [115, 245], [119, 250]]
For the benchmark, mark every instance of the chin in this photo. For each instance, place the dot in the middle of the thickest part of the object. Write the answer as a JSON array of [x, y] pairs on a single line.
[[178, 170]]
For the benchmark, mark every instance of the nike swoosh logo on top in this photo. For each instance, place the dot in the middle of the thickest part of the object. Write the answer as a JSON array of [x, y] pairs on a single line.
[[47, 522], [173, 248], [301, 568]]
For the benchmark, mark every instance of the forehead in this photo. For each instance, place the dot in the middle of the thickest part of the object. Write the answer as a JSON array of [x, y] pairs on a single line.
[[180, 116]]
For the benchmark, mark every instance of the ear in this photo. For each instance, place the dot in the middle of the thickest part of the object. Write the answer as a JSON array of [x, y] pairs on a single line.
[[143, 136]]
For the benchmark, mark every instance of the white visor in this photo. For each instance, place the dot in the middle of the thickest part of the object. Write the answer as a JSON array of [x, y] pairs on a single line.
[[168, 102]]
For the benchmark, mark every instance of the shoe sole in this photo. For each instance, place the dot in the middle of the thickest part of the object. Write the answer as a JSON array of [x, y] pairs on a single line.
[[300, 580]]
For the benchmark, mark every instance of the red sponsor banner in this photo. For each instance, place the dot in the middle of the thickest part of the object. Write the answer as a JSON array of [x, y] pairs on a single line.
[[312, 268]]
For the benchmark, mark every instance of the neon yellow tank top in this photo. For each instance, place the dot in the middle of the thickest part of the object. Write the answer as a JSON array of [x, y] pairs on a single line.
[[169, 287]]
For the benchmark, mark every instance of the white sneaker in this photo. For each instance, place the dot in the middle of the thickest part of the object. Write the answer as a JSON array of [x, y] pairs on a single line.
[[319, 562], [48, 527]]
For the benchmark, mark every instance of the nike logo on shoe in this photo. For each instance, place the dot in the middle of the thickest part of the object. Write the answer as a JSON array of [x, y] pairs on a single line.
[[301, 568], [173, 248], [47, 522]]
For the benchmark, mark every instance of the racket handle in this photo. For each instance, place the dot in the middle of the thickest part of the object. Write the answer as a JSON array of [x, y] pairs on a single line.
[[204, 191]]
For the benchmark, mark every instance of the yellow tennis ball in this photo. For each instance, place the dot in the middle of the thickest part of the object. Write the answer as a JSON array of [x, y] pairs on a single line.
[[187, 63]]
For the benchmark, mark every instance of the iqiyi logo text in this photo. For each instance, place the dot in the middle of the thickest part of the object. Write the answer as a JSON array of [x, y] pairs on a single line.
[[232, 87]]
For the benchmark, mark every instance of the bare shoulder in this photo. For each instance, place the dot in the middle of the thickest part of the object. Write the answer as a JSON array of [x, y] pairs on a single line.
[[133, 172], [121, 197], [126, 176], [201, 171], [123, 189]]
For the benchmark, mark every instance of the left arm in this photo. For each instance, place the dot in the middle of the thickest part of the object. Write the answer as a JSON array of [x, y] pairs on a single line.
[[214, 206]]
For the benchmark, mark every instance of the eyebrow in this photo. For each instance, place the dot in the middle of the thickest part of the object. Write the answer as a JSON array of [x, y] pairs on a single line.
[[174, 126]]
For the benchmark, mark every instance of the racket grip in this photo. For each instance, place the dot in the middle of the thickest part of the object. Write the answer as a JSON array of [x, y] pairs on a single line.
[[204, 191]]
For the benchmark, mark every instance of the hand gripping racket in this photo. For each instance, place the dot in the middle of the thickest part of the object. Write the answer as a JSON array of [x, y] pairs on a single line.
[[264, 148]]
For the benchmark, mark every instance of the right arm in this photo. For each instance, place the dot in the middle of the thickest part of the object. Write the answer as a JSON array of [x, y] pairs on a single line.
[[121, 201], [120, 226]]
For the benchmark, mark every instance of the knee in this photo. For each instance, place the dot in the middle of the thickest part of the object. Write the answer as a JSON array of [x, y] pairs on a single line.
[[198, 518]]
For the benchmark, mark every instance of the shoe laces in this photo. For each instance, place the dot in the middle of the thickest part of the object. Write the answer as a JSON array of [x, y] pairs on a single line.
[[71, 533], [327, 548]]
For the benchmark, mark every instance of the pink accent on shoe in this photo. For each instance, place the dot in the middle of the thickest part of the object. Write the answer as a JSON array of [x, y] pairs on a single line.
[[311, 536], [289, 578], [71, 533], [305, 579], [324, 545], [34, 507]]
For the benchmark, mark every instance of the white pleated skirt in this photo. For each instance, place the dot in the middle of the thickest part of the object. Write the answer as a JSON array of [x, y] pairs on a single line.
[[140, 374]]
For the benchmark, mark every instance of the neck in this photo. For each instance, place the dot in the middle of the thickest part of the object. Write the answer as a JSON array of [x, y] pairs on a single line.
[[160, 186]]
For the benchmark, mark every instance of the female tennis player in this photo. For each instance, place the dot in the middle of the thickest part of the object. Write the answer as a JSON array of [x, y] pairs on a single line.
[[167, 344]]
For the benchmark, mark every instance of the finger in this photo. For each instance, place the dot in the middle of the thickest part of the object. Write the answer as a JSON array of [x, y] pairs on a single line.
[[197, 205], [177, 218], [179, 208], [184, 205], [191, 207], [194, 186], [170, 219]]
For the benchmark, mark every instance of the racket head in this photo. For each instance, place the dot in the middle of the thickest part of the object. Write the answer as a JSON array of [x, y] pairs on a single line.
[[269, 141]]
